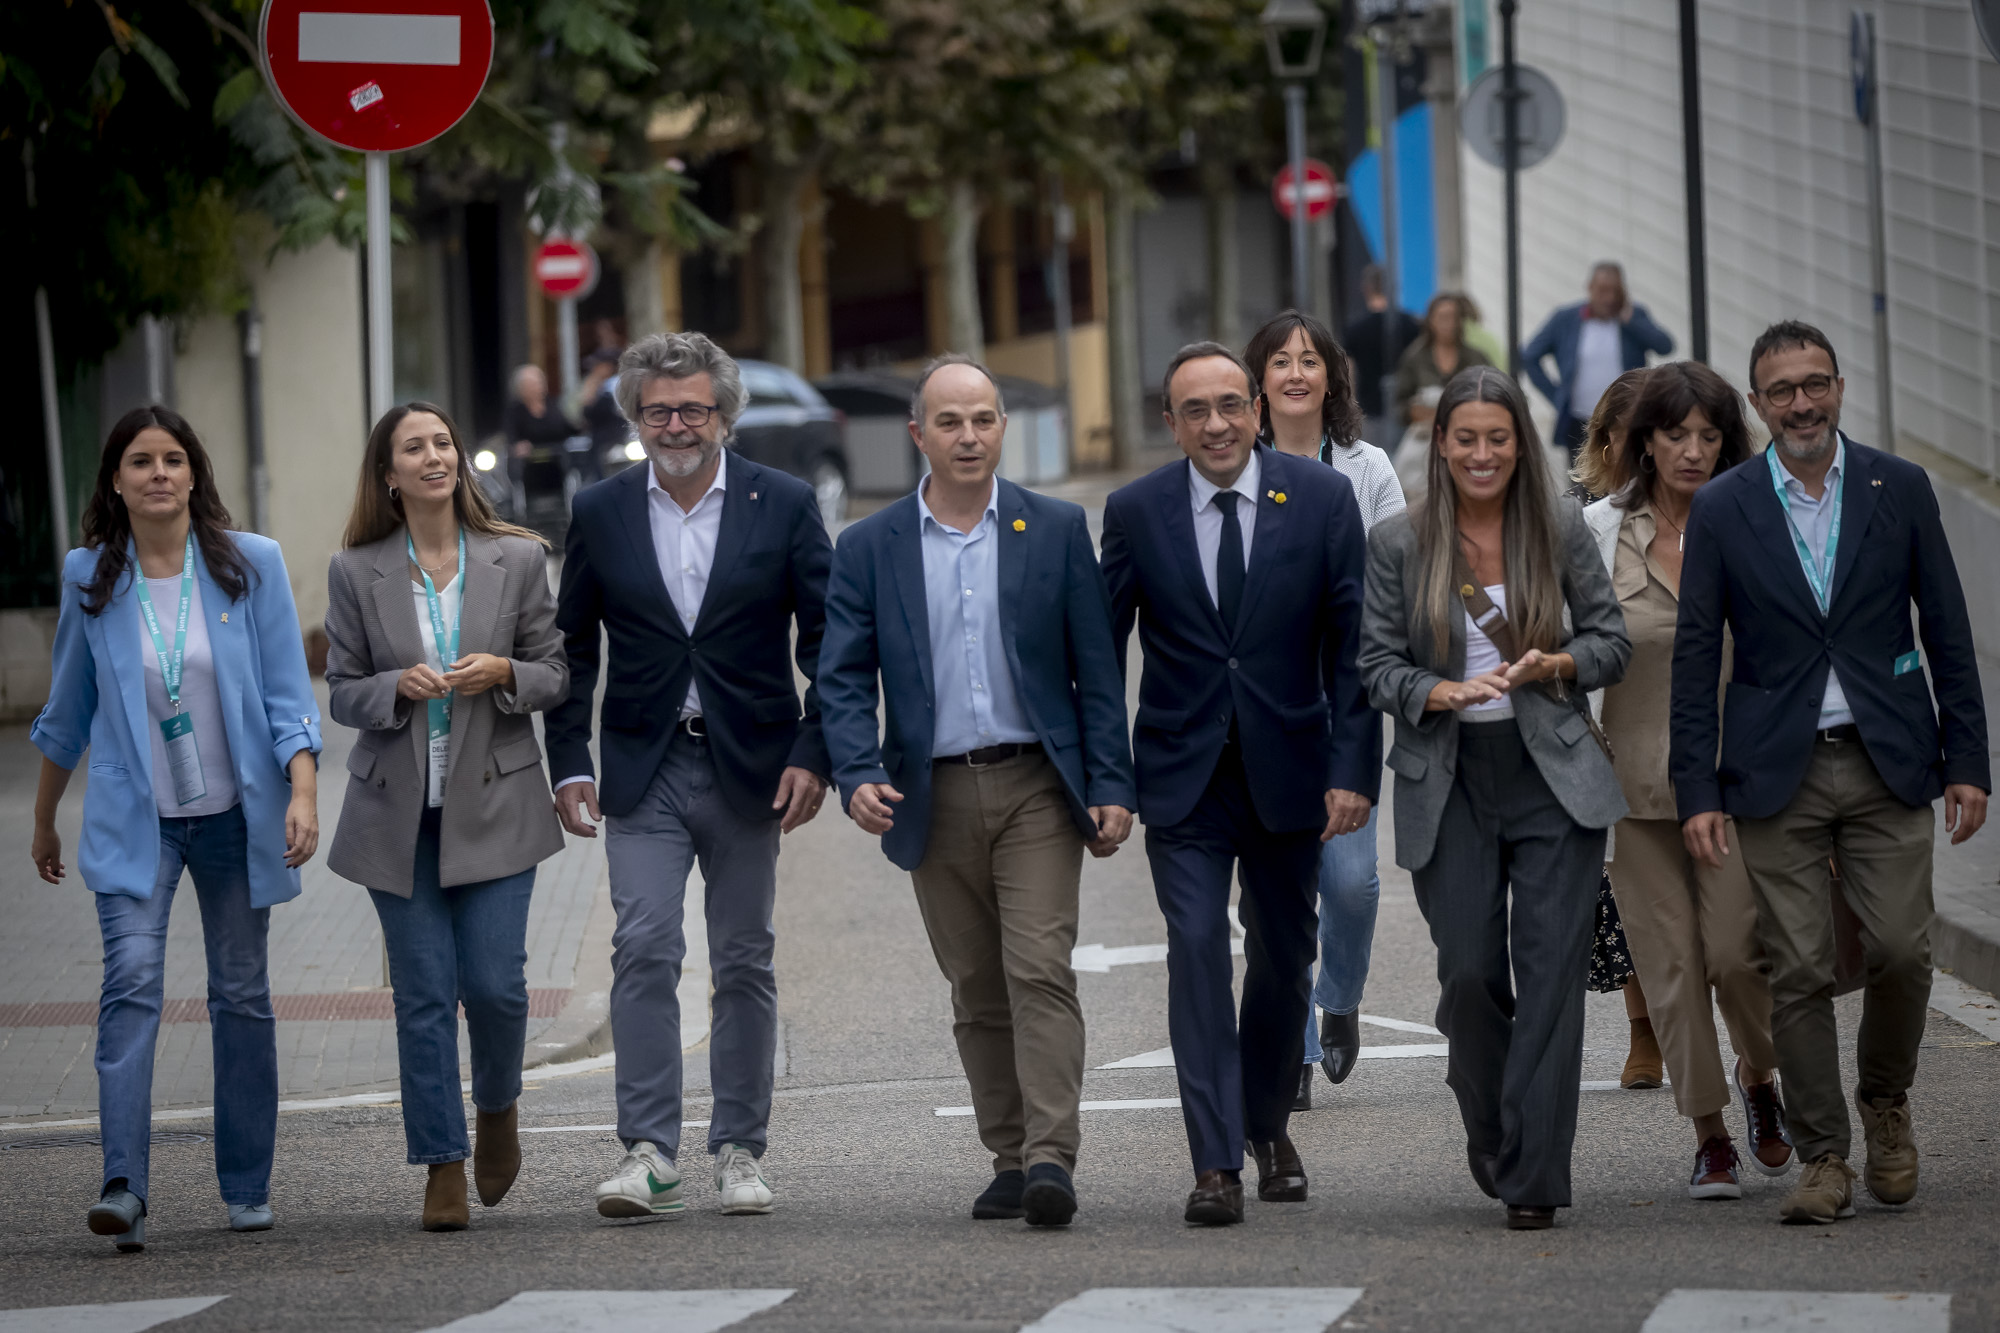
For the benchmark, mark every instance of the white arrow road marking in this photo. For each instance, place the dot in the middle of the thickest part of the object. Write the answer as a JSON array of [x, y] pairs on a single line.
[[1685, 1311], [1199, 1310], [635, 1311], [1164, 1057], [1121, 1104], [124, 1317], [378, 39], [1974, 1008]]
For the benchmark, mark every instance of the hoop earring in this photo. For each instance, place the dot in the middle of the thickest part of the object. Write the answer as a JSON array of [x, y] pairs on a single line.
[[1646, 462], [394, 494]]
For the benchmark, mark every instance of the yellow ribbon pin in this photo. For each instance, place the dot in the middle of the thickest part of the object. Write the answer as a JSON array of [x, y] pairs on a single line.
[[1279, 497], [225, 617], [1465, 590], [1020, 525]]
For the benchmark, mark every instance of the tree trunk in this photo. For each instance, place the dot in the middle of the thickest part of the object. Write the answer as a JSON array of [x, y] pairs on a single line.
[[959, 225], [1218, 200], [1128, 395], [645, 302], [783, 188]]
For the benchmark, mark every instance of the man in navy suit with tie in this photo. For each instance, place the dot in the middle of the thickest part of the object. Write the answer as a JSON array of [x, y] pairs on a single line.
[[1253, 744], [1831, 745], [981, 608], [697, 566]]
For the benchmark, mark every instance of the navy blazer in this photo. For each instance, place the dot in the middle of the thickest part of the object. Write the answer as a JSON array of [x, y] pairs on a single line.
[[771, 558], [1559, 336], [1741, 570], [1056, 622], [1287, 674]]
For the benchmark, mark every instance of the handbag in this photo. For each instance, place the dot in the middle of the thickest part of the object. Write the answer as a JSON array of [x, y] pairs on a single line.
[[1493, 624]]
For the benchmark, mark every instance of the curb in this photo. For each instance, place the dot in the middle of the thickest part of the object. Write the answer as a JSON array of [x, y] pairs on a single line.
[[583, 1029], [1961, 948]]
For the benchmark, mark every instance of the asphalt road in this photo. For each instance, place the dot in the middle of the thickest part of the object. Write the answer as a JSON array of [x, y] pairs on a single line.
[[873, 1231]]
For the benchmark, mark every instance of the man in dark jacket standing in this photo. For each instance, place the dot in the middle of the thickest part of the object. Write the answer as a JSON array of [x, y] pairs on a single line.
[[1594, 342], [1831, 746]]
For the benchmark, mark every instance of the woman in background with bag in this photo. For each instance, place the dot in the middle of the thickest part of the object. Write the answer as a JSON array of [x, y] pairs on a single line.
[[1503, 791]]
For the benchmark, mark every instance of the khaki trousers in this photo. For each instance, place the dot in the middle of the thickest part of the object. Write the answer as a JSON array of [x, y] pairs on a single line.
[[1842, 809], [998, 891], [1692, 931]]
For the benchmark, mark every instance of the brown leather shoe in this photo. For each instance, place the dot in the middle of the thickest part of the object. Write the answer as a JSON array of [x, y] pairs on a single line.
[[1217, 1199], [1645, 1067], [1523, 1217], [496, 1153], [1281, 1176], [445, 1208]]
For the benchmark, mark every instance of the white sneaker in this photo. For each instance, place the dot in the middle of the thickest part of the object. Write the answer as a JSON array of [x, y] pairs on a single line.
[[647, 1185], [741, 1181]]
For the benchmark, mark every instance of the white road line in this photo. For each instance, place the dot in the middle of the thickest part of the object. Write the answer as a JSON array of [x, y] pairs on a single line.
[[1164, 1057], [1199, 1310], [1401, 1025], [1102, 958], [596, 1129], [635, 1311], [1120, 1104], [1961, 1003], [1685, 1311], [124, 1317]]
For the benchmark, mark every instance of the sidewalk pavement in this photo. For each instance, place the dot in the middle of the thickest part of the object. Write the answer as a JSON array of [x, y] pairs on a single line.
[[1965, 936]]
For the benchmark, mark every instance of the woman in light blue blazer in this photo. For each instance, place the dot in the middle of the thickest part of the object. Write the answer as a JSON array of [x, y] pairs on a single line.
[[180, 668]]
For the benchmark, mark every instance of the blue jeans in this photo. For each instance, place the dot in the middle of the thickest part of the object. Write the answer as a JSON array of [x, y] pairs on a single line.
[[464, 944], [215, 850], [1349, 890]]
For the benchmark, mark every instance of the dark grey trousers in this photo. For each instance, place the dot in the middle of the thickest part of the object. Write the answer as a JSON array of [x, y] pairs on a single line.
[[1513, 981]]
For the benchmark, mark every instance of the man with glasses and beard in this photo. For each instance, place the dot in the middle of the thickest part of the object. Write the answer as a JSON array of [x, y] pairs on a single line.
[[696, 566], [1830, 743]]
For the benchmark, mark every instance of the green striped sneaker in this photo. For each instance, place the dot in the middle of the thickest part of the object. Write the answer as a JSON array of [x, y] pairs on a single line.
[[647, 1185]]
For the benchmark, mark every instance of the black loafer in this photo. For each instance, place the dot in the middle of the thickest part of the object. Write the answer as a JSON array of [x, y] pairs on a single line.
[[1001, 1201], [1049, 1199], [1340, 1039], [1528, 1218]]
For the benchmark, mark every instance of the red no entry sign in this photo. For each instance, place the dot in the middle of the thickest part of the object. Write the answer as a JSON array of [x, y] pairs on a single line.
[[566, 268], [1321, 189], [376, 76]]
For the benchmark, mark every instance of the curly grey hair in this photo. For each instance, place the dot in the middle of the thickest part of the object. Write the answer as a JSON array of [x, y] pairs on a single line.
[[677, 356], [917, 410]]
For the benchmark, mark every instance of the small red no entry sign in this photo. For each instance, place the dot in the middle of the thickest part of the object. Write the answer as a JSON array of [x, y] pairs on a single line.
[[566, 268], [376, 76], [1321, 189]]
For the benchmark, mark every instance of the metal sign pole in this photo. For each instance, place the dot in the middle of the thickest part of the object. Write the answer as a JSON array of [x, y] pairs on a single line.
[[381, 370], [1510, 119], [1385, 78], [1697, 226], [1295, 143], [1868, 101], [566, 345]]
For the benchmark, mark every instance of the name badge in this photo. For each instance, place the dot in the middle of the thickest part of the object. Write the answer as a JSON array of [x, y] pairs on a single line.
[[440, 764], [183, 759], [1908, 662]]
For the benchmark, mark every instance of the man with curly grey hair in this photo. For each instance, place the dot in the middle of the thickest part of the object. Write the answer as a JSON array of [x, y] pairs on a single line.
[[696, 567]]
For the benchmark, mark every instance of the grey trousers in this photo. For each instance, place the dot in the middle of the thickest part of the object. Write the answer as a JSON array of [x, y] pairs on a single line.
[[1513, 981], [682, 818]]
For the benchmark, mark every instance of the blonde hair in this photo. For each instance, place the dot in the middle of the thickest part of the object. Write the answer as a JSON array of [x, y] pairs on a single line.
[[1598, 469]]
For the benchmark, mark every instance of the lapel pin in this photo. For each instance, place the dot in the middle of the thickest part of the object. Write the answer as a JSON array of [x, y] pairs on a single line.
[[753, 495], [1020, 525], [225, 614], [1465, 590], [1876, 482], [1279, 496]]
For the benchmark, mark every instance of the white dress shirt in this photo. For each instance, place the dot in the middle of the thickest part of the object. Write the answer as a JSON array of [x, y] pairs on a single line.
[[1814, 520], [1208, 516], [1599, 360]]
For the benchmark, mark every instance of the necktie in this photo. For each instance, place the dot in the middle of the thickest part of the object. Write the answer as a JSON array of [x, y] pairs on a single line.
[[1229, 561]]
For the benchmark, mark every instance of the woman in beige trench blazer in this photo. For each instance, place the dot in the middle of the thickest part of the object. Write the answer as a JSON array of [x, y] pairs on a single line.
[[441, 641]]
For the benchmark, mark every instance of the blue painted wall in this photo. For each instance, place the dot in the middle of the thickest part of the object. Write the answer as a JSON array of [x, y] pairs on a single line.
[[1416, 229]]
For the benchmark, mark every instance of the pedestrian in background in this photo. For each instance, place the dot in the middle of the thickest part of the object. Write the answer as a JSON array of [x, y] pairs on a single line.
[[1307, 408], [1253, 746], [980, 607], [1488, 611], [696, 567], [1594, 342], [441, 646], [1691, 929], [178, 630], [1437, 354], [1375, 342], [531, 422], [1830, 744], [1474, 333]]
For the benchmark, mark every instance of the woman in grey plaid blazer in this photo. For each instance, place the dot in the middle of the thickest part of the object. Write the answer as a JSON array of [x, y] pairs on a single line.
[[441, 642]]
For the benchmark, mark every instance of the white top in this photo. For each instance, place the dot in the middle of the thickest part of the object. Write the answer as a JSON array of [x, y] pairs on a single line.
[[684, 544], [1373, 477], [1599, 360], [1814, 519], [199, 699], [1483, 658], [449, 599], [1208, 517]]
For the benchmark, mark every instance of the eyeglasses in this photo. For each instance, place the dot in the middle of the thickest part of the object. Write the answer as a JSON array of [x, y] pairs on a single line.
[[1815, 387], [1230, 408], [693, 415]]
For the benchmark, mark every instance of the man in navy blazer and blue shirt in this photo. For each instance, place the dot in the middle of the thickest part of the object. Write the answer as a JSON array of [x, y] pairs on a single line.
[[980, 607], [1253, 744], [697, 566], [1830, 744], [1594, 342]]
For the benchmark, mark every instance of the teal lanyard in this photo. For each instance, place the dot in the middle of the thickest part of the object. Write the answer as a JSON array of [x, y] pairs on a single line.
[[1819, 572], [447, 646], [170, 664]]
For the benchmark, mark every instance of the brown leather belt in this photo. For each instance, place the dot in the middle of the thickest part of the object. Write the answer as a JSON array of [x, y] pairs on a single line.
[[991, 754]]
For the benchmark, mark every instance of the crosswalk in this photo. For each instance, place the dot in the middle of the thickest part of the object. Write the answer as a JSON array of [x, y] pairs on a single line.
[[1099, 1310]]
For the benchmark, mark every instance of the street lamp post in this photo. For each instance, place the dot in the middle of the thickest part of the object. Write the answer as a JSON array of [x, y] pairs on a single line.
[[1294, 37]]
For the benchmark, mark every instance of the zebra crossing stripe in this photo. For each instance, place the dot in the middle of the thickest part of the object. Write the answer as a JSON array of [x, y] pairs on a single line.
[[123, 1317], [1687, 1311], [630, 1311], [1199, 1310]]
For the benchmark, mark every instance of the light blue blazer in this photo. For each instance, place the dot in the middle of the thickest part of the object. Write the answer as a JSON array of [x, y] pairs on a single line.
[[268, 711]]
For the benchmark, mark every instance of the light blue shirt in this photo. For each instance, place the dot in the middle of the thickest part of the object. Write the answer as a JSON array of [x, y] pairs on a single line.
[[1814, 520], [977, 704]]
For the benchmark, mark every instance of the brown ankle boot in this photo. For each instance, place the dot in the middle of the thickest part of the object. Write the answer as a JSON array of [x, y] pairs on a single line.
[[1644, 1066], [445, 1208], [496, 1153]]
